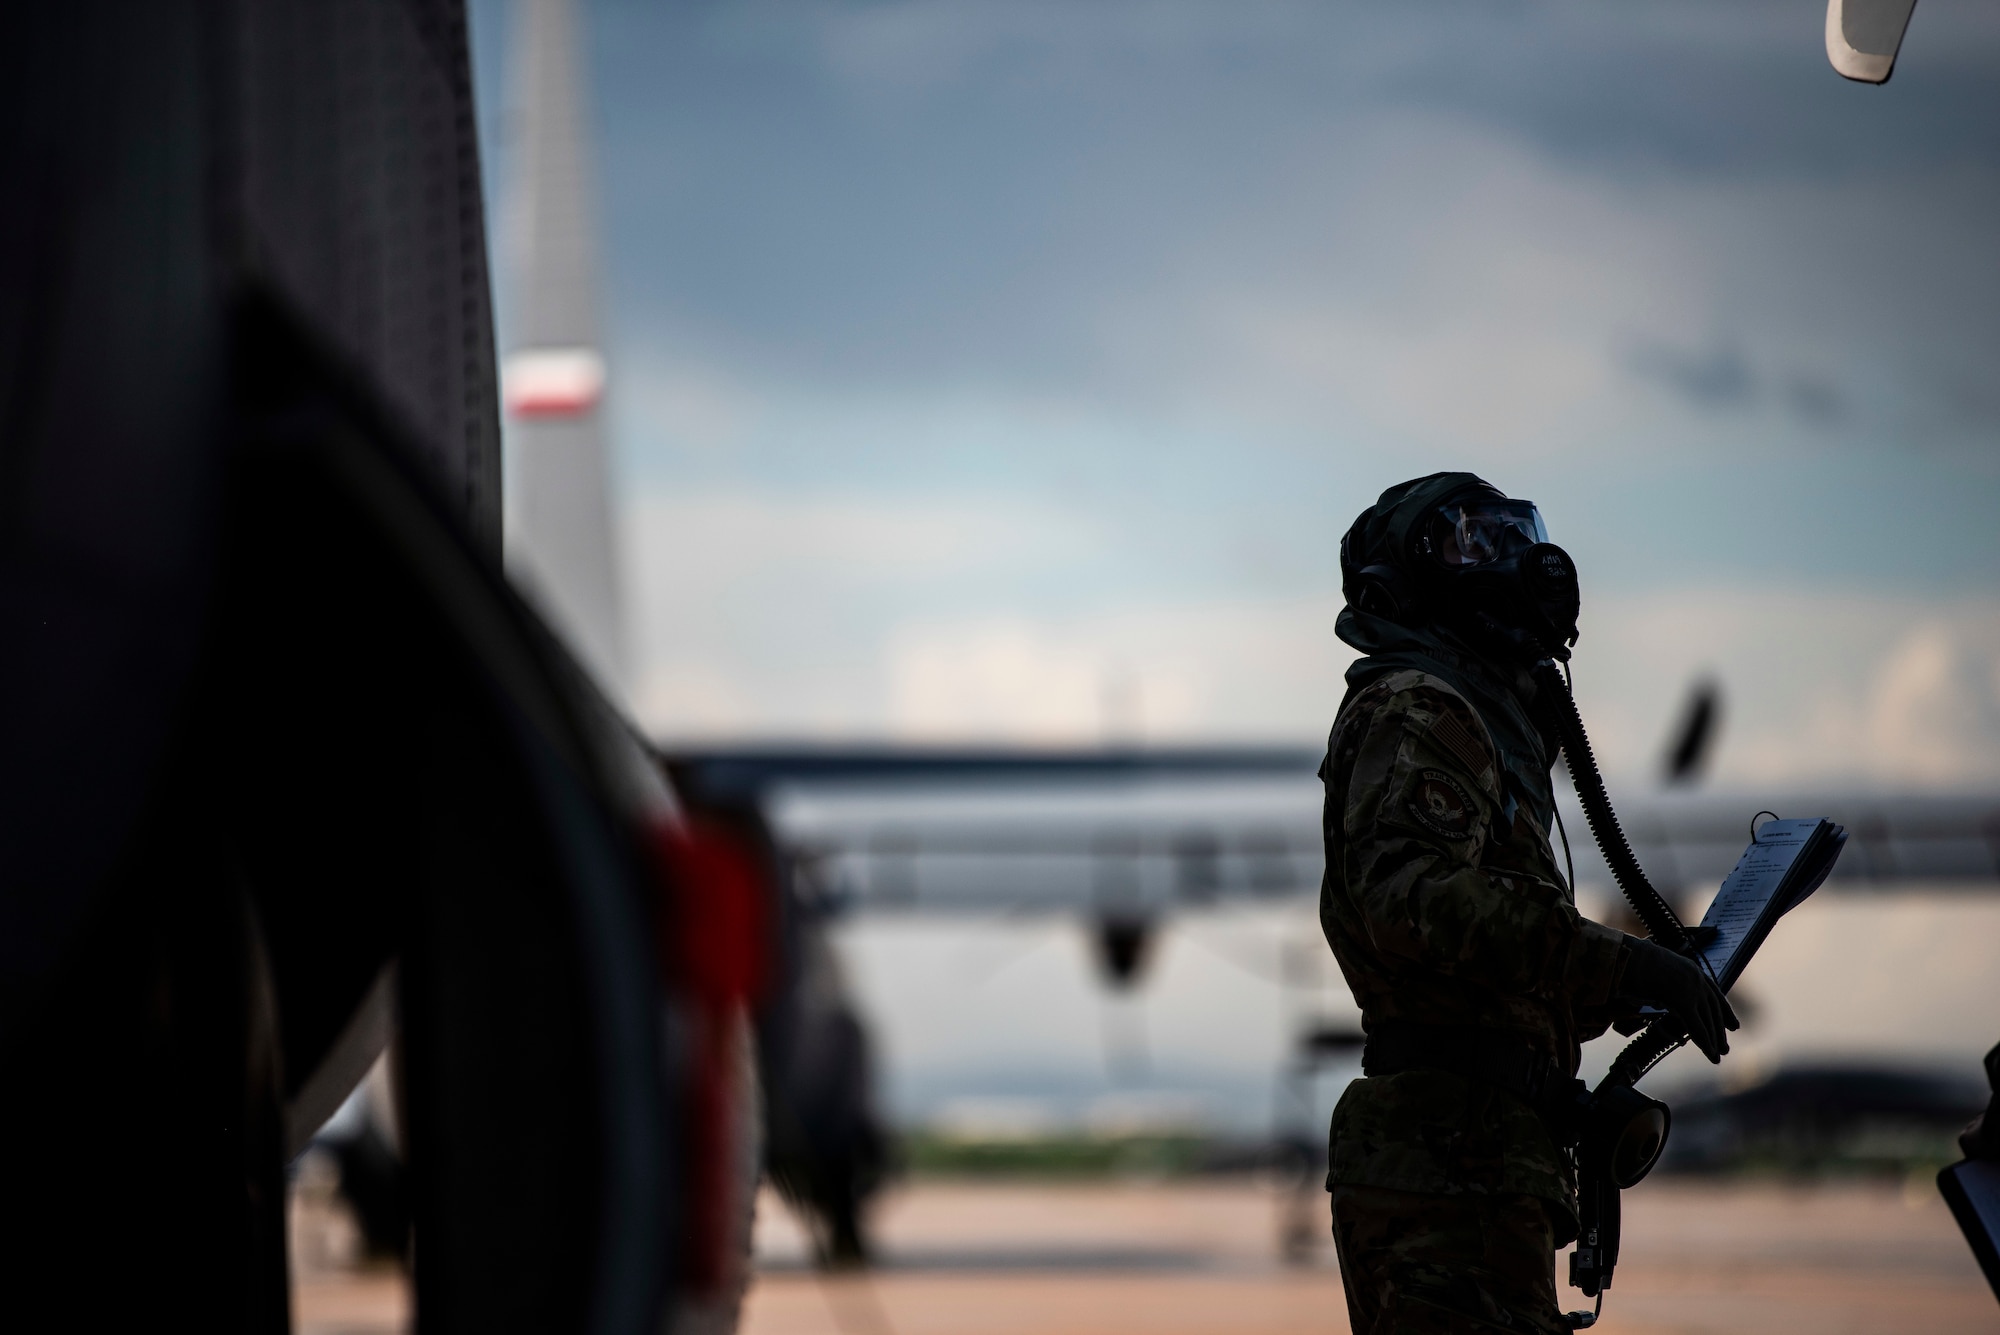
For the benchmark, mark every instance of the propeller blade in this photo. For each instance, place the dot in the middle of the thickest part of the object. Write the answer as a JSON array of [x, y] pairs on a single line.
[[1694, 739], [1863, 36]]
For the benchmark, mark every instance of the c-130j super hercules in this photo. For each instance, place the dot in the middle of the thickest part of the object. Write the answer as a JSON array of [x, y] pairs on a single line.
[[287, 760]]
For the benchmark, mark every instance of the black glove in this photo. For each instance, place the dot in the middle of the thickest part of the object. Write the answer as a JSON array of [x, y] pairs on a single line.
[[1657, 976]]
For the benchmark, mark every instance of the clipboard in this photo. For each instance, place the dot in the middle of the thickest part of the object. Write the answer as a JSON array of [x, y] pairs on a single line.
[[1786, 861]]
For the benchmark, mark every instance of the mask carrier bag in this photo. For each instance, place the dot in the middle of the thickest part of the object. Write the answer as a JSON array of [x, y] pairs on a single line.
[[1619, 1133]]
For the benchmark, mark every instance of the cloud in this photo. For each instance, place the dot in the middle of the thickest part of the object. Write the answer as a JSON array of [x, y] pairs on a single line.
[[703, 541], [833, 617], [1000, 680], [1932, 714], [1720, 377], [1823, 689], [969, 355], [1390, 272], [1716, 377], [683, 405], [1816, 401], [1438, 233], [933, 618], [1262, 670], [763, 612]]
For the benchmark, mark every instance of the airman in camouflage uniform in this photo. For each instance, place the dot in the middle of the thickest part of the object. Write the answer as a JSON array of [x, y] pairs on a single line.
[[1444, 906]]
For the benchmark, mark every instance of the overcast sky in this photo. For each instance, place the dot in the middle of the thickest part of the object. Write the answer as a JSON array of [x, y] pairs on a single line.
[[1012, 368], [1003, 368]]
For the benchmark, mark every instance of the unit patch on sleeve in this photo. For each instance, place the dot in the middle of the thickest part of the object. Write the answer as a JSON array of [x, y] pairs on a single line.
[[1440, 805]]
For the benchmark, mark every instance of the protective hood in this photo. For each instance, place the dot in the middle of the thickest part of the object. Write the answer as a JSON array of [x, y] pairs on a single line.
[[1380, 536], [1451, 550]]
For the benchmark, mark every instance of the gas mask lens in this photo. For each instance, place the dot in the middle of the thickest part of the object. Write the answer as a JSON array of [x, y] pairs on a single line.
[[1473, 532]]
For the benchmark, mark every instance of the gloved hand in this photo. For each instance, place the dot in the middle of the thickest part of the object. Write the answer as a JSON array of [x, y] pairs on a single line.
[[1659, 977]]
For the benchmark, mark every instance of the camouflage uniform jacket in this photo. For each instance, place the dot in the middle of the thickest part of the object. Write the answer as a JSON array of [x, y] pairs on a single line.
[[1443, 904]]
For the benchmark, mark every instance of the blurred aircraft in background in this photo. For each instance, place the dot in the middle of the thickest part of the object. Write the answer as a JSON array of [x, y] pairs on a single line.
[[1122, 841]]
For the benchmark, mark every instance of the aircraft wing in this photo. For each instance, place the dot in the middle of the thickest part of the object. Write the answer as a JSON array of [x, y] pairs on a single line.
[[1895, 840], [1145, 832]]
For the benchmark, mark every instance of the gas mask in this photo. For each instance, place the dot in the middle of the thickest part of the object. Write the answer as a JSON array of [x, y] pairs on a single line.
[[1450, 549], [1495, 573]]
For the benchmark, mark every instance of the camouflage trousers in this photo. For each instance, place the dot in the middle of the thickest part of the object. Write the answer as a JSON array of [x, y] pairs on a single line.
[[1417, 1264]]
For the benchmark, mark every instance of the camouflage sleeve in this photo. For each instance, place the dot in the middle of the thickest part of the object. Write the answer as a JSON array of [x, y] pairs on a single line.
[[1424, 795]]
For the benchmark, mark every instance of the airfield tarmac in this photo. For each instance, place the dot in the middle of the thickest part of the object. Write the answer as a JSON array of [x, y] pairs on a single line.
[[1201, 1256], [1195, 1258], [1118, 1259]]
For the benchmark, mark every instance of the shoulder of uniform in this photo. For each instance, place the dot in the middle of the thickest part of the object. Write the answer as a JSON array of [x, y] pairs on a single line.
[[1414, 691], [1437, 712], [1366, 704], [1398, 693], [1409, 695]]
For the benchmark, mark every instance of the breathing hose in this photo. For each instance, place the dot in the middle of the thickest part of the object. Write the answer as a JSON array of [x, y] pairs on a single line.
[[1607, 1114], [1662, 924], [1646, 1051], [1652, 907]]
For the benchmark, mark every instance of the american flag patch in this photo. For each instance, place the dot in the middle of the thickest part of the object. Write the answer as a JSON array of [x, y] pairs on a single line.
[[1457, 739]]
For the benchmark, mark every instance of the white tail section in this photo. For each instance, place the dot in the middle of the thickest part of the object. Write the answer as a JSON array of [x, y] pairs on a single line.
[[561, 537]]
